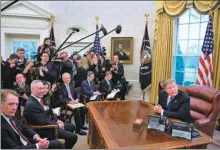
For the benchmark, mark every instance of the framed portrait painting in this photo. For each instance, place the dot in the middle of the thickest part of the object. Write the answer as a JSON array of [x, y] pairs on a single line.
[[123, 47]]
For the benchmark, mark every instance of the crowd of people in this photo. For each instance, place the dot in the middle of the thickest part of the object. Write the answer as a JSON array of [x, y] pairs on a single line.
[[34, 87]]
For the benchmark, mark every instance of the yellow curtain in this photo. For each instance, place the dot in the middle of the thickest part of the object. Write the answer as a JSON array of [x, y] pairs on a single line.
[[174, 8], [162, 53], [216, 52]]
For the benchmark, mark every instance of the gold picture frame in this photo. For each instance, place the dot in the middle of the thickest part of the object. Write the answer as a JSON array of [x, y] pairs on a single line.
[[125, 56]]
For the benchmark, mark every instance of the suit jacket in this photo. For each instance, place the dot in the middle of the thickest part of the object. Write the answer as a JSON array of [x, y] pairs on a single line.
[[35, 114], [11, 140], [104, 87], [180, 106], [87, 90], [122, 57], [63, 94], [50, 75]]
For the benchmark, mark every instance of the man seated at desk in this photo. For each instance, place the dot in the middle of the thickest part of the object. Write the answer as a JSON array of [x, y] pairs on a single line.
[[173, 103]]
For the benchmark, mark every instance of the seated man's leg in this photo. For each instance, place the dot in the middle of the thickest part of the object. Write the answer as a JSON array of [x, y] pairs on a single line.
[[70, 138], [83, 112], [78, 121], [69, 127], [54, 144]]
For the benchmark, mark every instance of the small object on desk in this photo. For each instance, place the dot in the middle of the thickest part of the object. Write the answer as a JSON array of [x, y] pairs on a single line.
[[138, 123], [93, 98], [73, 106]]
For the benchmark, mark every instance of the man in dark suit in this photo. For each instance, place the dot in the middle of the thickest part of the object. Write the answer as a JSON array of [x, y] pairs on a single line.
[[35, 114], [9, 72], [21, 53], [121, 55], [47, 71], [117, 70], [66, 64], [67, 94], [89, 88], [14, 134], [106, 85], [173, 103]]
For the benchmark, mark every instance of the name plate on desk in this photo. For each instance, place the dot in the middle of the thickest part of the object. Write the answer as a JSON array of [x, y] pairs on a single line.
[[157, 122], [182, 129]]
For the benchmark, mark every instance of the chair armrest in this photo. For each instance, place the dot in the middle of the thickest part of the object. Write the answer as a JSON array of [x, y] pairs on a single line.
[[44, 127], [201, 122], [49, 131]]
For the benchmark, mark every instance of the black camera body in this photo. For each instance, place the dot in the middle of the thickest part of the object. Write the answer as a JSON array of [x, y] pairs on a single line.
[[36, 64]]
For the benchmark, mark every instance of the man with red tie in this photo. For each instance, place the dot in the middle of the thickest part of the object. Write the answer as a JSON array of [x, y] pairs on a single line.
[[173, 103], [14, 134]]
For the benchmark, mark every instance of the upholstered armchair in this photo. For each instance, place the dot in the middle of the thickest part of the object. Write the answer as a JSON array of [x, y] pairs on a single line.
[[204, 106]]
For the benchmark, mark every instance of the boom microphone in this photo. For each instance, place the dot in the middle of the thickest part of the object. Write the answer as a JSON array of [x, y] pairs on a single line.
[[75, 29], [118, 29]]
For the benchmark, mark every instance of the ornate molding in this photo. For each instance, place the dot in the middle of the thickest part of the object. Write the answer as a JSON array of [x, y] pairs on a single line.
[[29, 10]]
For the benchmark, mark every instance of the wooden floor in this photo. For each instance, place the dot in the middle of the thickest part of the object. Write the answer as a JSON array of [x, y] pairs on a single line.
[[216, 137], [82, 142]]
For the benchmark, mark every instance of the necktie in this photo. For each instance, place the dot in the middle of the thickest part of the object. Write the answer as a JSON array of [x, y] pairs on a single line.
[[69, 92], [109, 85], [90, 83], [42, 103], [169, 103], [19, 132]]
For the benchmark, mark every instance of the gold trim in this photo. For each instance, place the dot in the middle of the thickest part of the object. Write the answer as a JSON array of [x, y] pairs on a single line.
[[97, 19]]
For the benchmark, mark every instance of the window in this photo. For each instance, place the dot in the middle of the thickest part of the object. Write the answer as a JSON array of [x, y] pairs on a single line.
[[29, 47], [190, 32]]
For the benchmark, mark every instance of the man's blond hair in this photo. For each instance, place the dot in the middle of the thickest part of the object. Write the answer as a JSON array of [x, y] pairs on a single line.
[[168, 82], [6, 92]]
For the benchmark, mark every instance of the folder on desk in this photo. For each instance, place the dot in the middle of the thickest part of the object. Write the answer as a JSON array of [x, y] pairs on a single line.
[[112, 94], [73, 106]]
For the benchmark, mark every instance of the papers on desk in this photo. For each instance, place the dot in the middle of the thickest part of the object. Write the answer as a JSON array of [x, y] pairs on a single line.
[[73, 106], [93, 98], [112, 94], [56, 111]]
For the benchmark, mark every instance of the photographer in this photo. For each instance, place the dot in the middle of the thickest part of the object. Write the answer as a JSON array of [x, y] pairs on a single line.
[[46, 47], [104, 64], [47, 71], [118, 79], [22, 88], [66, 64], [94, 67], [30, 71], [10, 71], [82, 71], [74, 58]]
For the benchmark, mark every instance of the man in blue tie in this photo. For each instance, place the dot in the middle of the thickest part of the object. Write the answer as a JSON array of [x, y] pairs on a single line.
[[173, 103], [89, 88]]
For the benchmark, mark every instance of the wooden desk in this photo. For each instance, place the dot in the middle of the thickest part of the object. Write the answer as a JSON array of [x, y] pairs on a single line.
[[111, 126]]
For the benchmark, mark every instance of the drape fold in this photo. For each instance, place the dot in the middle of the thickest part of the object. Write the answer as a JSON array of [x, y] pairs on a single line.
[[162, 53], [216, 52]]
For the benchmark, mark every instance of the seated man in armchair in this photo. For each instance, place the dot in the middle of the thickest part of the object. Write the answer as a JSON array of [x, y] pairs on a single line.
[[173, 103], [66, 94]]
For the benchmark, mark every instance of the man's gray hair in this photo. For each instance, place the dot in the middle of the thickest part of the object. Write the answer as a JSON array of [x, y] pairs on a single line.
[[33, 83]]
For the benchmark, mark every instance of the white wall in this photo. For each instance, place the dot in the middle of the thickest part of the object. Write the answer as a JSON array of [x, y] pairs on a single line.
[[130, 14]]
